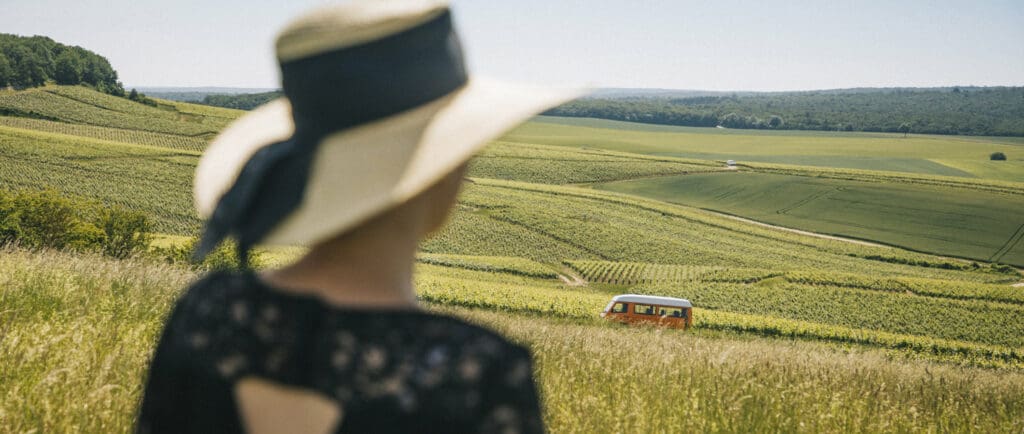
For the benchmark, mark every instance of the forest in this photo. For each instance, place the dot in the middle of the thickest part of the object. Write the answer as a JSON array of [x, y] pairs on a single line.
[[32, 61], [994, 111], [244, 101]]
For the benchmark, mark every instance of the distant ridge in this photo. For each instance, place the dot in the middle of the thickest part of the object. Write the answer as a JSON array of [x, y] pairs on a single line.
[[640, 92], [957, 110], [198, 94]]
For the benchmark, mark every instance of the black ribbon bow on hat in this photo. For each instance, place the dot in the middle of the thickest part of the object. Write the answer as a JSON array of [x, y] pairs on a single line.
[[331, 92]]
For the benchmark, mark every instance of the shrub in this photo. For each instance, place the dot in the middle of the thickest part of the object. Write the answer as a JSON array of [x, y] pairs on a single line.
[[224, 257], [38, 219], [46, 219], [997, 156], [126, 233], [10, 224]]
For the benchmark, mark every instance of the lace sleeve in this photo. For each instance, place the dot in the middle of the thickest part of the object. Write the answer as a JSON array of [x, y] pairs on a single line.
[[166, 389], [511, 404]]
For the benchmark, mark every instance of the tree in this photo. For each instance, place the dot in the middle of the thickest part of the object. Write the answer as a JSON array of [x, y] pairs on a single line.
[[68, 69], [997, 156], [6, 73], [732, 120], [904, 128], [774, 121], [27, 67], [134, 95]]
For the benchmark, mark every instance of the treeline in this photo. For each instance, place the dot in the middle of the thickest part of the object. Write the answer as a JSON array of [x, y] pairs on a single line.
[[32, 61], [997, 111], [242, 101]]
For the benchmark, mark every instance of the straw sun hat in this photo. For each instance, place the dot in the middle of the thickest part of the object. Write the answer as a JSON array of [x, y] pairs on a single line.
[[378, 107]]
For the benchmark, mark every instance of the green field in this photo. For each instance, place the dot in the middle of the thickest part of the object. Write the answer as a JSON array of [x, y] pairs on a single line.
[[935, 155], [792, 333], [973, 224]]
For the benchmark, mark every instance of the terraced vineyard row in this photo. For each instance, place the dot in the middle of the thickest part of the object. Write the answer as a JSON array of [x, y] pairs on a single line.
[[623, 273], [493, 264], [952, 289], [170, 141], [633, 273], [975, 321], [150, 180], [83, 106], [225, 114]]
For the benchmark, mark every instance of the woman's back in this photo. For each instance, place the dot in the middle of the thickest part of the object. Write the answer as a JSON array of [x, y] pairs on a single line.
[[374, 370]]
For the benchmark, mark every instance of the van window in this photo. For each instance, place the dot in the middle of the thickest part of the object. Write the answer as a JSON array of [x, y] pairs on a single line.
[[643, 309], [672, 312], [620, 308]]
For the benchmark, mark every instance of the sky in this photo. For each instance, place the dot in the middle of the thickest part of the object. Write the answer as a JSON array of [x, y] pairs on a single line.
[[671, 44]]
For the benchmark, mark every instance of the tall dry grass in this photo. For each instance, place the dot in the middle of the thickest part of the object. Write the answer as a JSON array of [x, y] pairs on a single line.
[[630, 379], [76, 332]]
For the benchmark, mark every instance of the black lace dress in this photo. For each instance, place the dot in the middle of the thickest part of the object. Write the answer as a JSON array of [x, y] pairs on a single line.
[[388, 370]]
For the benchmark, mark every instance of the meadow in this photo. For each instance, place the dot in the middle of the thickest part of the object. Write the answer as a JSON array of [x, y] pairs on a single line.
[[792, 333]]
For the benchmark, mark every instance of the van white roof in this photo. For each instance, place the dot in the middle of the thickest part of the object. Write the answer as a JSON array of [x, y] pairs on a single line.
[[652, 299]]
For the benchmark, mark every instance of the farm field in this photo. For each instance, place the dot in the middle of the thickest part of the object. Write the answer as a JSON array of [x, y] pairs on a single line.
[[973, 224], [934, 155], [792, 333]]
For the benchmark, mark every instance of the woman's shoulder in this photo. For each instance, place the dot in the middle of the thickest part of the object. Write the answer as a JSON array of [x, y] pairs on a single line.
[[240, 297], [228, 314]]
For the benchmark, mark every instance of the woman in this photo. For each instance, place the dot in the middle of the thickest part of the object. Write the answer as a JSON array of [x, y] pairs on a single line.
[[361, 159]]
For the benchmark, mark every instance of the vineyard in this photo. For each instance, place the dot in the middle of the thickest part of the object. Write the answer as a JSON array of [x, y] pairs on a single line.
[[535, 250], [511, 265], [548, 165], [170, 141], [576, 223], [78, 105], [634, 273], [148, 179]]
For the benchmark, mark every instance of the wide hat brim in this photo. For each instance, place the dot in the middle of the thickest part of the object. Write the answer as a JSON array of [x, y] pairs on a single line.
[[363, 171]]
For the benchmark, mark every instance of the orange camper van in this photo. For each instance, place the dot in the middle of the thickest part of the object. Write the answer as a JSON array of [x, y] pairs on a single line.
[[665, 311]]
